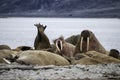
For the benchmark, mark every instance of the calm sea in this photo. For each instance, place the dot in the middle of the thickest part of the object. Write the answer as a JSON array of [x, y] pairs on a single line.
[[21, 31]]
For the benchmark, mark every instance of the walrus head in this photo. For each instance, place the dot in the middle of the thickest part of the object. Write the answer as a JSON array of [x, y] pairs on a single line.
[[85, 36], [88, 42], [23, 48], [114, 53], [40, 27], [59, 43]]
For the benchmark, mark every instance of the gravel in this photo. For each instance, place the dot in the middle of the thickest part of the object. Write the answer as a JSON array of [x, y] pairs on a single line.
[[71, 72]]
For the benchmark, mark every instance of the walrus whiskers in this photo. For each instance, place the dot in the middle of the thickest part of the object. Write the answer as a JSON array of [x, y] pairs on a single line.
[[8, 62], [88, 40], [81, 43]]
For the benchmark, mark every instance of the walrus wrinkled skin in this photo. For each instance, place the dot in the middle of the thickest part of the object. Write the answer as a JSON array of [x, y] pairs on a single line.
[[73, 39], [42, 58], [101, 57], [41, 40], [6, 56], [2, 47], [84, 59], [63, 48], [93, 58], [88, 42]]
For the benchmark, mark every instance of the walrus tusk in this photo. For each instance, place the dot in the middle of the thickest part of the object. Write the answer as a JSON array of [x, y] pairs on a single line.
[[61, 44], [81, 43], [8, 62], [88, 40], [57, 46]]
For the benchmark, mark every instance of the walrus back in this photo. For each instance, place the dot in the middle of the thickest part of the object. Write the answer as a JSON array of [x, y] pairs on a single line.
[[102, 57], [38, 57]]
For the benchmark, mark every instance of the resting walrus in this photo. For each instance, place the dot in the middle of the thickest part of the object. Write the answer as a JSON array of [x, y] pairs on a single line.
[[101, 57], [88, 42], [3, 47], [114, 53], [38, 57], [22, 48], [6, 56], [81, 58]]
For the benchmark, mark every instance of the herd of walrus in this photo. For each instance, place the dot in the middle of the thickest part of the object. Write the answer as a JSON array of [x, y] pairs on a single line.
[[77, 49]]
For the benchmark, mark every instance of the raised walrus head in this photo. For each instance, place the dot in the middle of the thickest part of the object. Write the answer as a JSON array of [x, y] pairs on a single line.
[[59, 43], [88, 42], [85, 36], [40, 27], [63, 48]]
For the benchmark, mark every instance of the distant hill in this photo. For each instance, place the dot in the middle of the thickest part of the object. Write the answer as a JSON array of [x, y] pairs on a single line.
[[61, 8]]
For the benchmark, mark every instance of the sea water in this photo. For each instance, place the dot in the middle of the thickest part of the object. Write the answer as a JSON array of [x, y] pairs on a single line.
[[19, 31]]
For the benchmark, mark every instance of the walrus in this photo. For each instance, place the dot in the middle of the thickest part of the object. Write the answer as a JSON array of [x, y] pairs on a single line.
[[101, 57], [81, 58], [63, 48], [73, 39], [6, 56], [2, 47], [22, 48], [114, 53], [86, 61], [42, 58], [41, 40], [88, 42]]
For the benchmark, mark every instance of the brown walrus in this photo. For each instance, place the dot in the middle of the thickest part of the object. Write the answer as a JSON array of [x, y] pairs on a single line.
[[101, 57], [2, 47], [73, 39], [81, 58], [22, 48], [6, 56], [42, 58], [88, 42], [114, 53], [63, 48], [41, 40]]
